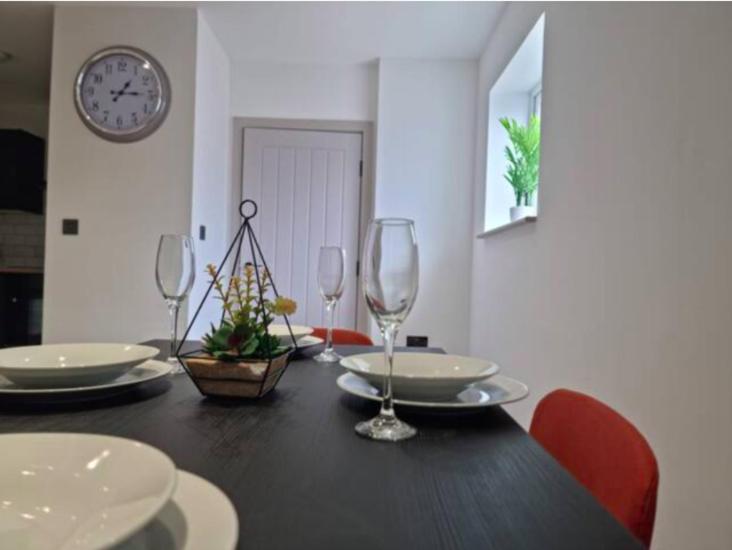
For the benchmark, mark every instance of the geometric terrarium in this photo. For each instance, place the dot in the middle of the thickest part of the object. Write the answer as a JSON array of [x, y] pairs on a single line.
[[239, 357]]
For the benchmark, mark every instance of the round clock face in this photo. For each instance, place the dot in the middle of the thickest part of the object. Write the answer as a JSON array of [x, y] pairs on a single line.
[[122, 94]]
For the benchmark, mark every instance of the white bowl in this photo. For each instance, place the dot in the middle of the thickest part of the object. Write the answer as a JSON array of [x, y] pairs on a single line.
[[298, 331], [78, 491], [66, 365], [422, 376]]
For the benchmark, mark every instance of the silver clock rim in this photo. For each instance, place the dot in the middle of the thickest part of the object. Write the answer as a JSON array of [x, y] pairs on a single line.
[[150, 125]]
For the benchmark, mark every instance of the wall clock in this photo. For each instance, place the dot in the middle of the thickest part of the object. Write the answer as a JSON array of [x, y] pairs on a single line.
[[122, 94]]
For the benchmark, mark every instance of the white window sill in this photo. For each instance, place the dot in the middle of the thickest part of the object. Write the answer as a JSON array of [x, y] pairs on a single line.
[[506, 226]]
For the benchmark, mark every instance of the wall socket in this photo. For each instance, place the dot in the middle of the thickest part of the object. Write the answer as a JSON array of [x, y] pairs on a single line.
[[69, 226], [417, 341]]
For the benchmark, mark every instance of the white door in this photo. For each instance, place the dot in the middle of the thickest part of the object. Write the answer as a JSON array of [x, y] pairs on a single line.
[[307, 187]]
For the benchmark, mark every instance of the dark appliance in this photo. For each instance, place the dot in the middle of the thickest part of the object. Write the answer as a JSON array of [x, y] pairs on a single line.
[[21, 299], [22, 159]]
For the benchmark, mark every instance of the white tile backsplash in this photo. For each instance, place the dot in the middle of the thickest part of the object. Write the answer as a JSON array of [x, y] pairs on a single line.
[[21, 239]]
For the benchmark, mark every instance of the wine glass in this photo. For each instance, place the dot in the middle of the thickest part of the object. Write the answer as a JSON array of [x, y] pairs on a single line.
[[331, 274], [390, 282], [174, 274]]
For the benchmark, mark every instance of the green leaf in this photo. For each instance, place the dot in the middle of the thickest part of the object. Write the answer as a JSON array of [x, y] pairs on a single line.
[[250, 347], [523, 155]]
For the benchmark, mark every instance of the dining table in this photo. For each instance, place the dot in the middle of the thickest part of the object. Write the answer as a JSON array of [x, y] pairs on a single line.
[[300, 477]]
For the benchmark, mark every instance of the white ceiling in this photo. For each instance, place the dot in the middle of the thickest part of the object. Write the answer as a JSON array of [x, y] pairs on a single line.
[[351, 32], [286, 32], [25, 31]]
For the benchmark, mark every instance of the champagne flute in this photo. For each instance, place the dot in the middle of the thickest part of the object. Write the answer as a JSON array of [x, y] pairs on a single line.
[[390, 282], [331, 275], [174, 273]]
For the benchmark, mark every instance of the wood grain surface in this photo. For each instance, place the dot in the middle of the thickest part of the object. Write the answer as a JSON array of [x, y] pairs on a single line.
[[300, 477]]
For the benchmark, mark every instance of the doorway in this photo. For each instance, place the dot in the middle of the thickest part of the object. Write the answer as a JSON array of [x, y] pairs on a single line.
[[310, 186]]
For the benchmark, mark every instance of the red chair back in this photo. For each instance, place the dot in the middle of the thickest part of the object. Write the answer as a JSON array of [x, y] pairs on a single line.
[[605, 452], [344, 337]]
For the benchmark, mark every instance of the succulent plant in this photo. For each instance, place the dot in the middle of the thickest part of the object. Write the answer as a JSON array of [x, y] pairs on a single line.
[[242, 333]]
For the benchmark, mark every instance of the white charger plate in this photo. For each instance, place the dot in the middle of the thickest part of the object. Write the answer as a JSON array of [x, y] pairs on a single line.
[[497, 390], [71, 491], [148, 371], [199, 515], [309, 341], [422, 376], [71, 365], [282, 332]]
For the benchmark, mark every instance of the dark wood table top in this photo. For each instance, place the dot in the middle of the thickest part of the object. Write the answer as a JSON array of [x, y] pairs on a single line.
[[300, 477]]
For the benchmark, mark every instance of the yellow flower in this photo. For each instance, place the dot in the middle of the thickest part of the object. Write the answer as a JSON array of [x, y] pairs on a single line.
[[284, 306]]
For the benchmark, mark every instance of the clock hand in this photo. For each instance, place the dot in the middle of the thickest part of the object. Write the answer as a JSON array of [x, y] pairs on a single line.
[[118, 93], [121, 93]]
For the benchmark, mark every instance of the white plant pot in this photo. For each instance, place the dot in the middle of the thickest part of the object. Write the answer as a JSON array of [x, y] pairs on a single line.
[[518, 212]]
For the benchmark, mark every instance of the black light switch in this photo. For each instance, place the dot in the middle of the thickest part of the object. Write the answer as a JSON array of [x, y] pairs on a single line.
[[69, 226], [202, 232], [417, 341]]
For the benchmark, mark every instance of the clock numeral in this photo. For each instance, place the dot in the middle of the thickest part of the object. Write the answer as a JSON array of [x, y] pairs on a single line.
[[90, 90], [135, 69], [95, 106], [134, 117], [119, 121], [121, 66], [106, 115], [152, 95], [107, 68], [145, 79], [97, 78], [144, 108]]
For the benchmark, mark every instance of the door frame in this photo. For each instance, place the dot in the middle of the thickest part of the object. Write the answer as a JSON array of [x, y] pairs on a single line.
[[366, 194]]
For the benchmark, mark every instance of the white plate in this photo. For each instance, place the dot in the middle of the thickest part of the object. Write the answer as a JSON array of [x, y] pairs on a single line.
[[497, 390], [298, 331], [146, 372], [64, 365], [422, 376], [309, 341], [78, 491], [198, 516]]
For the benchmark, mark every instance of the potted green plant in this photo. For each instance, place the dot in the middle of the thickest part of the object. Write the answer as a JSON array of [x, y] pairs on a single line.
[[523, 163], [239, 357]]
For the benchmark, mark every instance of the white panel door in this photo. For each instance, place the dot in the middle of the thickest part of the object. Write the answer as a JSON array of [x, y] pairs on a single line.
[[307, 186]]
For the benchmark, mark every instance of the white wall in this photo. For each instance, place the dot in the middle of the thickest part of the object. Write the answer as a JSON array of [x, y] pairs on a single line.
[[31, 117], [424, 171], [622, 287], [211, 168], [100, 285], [304, 91]]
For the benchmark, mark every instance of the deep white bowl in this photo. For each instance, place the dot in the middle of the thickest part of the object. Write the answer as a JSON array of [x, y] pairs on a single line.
[[68, 365], [422, 376], [298, 331], [78, 491]]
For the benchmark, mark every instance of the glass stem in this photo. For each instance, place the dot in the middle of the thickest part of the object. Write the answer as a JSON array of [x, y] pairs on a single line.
[[330, 308], [173, 308], [387, 403]]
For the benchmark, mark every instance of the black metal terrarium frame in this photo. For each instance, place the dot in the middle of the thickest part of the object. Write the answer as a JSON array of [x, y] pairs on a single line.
[[245, 232]]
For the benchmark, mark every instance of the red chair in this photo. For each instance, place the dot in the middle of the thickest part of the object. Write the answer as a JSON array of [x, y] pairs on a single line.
[[604, 452], [344, 337]]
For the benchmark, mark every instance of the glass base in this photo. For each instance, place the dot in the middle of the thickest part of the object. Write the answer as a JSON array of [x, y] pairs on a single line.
[[177, 367], [327, 356], [385, 428]]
